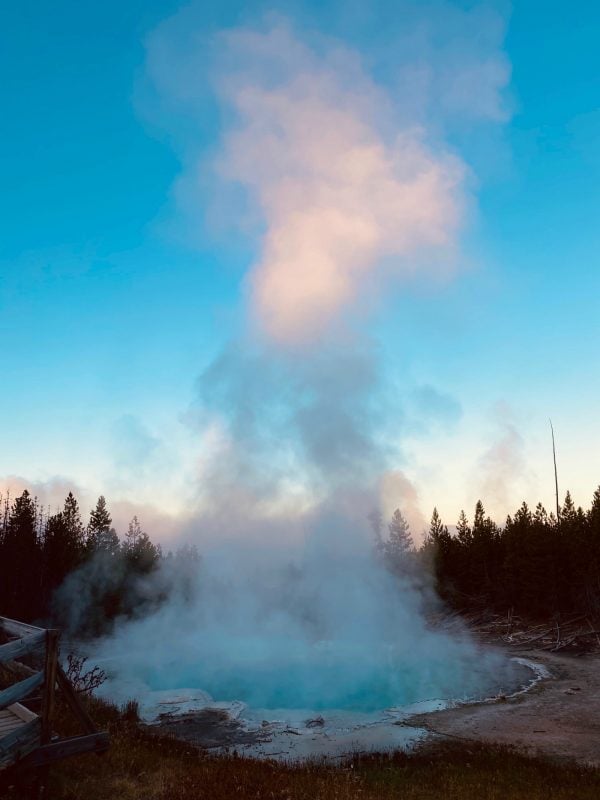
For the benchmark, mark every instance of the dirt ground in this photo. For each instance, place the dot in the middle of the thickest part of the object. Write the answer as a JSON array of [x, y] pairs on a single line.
[[211, 728], [559, 717]]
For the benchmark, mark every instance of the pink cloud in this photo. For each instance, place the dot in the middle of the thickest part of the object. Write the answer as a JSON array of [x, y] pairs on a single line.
[[338, 192]]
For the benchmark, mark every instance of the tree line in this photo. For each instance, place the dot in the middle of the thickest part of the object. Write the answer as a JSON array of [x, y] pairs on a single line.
[[535, 564], [56, 568]]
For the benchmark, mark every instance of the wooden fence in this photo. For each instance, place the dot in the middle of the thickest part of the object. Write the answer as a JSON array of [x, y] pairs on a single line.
[[26, 736]]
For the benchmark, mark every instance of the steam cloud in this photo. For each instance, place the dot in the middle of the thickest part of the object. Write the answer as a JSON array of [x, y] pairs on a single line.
[[351, 184], [337, 194], [329, 629], [351, 181], [307, 429], [503, 466]]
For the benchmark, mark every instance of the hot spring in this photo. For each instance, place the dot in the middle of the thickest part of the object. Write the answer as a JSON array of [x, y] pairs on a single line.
[[330, 635]]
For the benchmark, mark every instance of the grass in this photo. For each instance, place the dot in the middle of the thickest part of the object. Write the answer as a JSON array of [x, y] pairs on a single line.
[[142, 766]]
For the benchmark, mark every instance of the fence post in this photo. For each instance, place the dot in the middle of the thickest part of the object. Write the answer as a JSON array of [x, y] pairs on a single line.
[[49, 683]]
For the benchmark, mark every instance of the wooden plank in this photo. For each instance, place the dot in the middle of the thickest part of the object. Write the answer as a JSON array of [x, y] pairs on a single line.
[[23, 713], [10, 725], [19, 743], [52, 637], [18, 691], [65, 748], [16, 628], [64, 684], [10, 721], [18, 669], [20, 647]]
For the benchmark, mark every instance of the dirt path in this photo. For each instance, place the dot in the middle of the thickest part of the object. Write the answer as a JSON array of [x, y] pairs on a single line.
[[560, 717]]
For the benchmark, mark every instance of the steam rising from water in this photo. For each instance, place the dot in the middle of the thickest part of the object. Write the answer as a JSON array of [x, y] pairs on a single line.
[[349, 181], [330, 629], [290, 608]]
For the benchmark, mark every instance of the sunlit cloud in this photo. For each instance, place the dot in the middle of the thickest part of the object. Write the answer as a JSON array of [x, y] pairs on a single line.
[[337, 195], [351, 184]]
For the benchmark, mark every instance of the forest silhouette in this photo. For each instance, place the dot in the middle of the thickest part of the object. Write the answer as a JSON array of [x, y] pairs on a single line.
[[57, 570], [536, 565]]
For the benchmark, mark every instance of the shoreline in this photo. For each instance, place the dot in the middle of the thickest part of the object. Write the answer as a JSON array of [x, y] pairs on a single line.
[[507, 720], [557, 717]]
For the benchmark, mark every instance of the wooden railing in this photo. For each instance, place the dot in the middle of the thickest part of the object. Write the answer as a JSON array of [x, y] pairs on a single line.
[[27, 738]]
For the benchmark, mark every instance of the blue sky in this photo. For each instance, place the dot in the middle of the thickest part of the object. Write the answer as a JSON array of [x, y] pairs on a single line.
[[115, 293]]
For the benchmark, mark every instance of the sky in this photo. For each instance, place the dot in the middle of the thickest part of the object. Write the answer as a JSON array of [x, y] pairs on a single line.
[[208, 210]]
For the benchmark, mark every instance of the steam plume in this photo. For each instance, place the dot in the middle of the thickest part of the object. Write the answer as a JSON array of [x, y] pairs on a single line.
[[351, 184], [337, 194], [351, 180]]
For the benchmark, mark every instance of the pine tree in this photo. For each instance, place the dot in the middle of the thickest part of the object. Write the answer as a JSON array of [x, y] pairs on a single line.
[[515, 572], [540, 515], [543, 562], [479, 517], [439, 549], [464, 558], [463, 530], [20, 574], [566, 538], [63, 547], [61, 553], [485, 552], [592, 589], [399, 545], [568, 512], [594, 512], [142, 556], [436, 529], [101, 536], [74, 526], [134, 532]]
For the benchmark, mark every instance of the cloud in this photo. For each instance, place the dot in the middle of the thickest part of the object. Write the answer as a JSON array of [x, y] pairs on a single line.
[[351, 177], [162, 525], [51, 493], [502, 474]]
